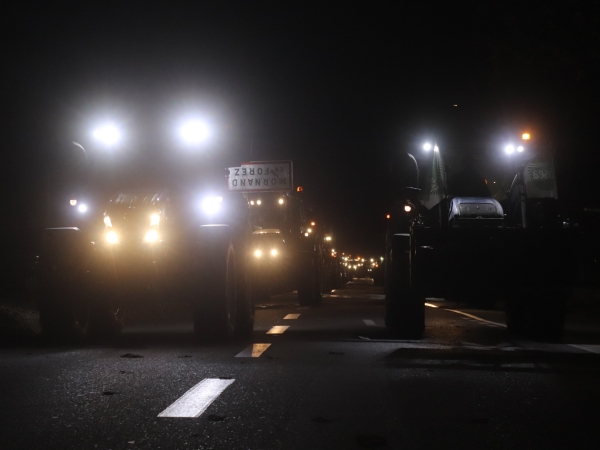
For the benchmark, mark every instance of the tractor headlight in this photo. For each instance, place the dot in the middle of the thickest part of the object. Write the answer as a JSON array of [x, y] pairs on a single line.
[[151, 236], [154, 220], [212, 205], [112, 237]]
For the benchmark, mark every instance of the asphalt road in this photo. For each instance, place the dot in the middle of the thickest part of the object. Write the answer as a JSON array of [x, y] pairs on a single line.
[[331, 378]]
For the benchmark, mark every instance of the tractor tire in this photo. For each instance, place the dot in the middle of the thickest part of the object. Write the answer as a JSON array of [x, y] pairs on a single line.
[[63, 294], [215, 288]]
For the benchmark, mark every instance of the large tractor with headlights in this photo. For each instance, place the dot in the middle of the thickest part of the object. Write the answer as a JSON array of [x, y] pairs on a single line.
[[464, 245], [157, 243], [286, 239]]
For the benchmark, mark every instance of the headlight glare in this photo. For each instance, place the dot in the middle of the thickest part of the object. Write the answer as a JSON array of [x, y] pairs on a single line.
[[112, 237], [212, 205], [151, 236], [154, 220], [107, 221]]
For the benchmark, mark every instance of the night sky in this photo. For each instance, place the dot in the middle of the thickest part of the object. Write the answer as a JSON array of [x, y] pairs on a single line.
[[341, 88]]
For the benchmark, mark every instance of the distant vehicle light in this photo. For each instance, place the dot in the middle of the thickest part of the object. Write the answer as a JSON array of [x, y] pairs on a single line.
[[257, 253], [299, 189], [526, 136], [328, 238], [194, 132], [107, 221], [252, 202], [309, 230], [108, 134], [82, 208], [151, 236], [73, 202], [259, 202], [281, 201], [407, 208], [312, 224], [436, 148], [509, 149], [274, 252], [306, 234], [426, 146], [212, 205], [387, 216], [154, 220], [520, 149], [112, 237]]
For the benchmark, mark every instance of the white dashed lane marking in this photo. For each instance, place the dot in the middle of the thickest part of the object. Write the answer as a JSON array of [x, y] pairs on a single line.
[[278, 329], [291, 316], [195, 401], [253, 351]]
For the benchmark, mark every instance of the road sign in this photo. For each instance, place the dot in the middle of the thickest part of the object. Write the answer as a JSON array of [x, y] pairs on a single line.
[[261, 176]]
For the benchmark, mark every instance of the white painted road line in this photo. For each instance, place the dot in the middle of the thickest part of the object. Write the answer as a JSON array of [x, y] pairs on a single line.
[[253, 351], [587, 348], [479, 319], [430, 305], [291, 316], [195, 401], [278, 329]]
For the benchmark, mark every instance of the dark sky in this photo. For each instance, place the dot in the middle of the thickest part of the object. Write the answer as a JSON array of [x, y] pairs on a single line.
[[341, 88]]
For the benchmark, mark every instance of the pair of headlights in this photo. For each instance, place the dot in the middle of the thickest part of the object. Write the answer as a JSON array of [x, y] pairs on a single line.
[[258, 253], [113, 238]]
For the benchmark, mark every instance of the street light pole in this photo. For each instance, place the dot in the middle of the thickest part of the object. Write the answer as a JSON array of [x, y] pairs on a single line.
[[416, 166]]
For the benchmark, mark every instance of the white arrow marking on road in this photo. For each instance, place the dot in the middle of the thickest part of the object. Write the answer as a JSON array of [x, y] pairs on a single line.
[[253, 351], [291, 316], [195, 401], [278, 329], [587, 348]]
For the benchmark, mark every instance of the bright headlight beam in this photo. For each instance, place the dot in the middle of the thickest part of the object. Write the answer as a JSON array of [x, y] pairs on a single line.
[[154, 220], [427, 146], [194, 132], [108, 134], [520, 149], [82, 208], [107, 221], [257, 253], [212, 205], [151, 236], [274, 252], [509, 149], [112, 237]]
